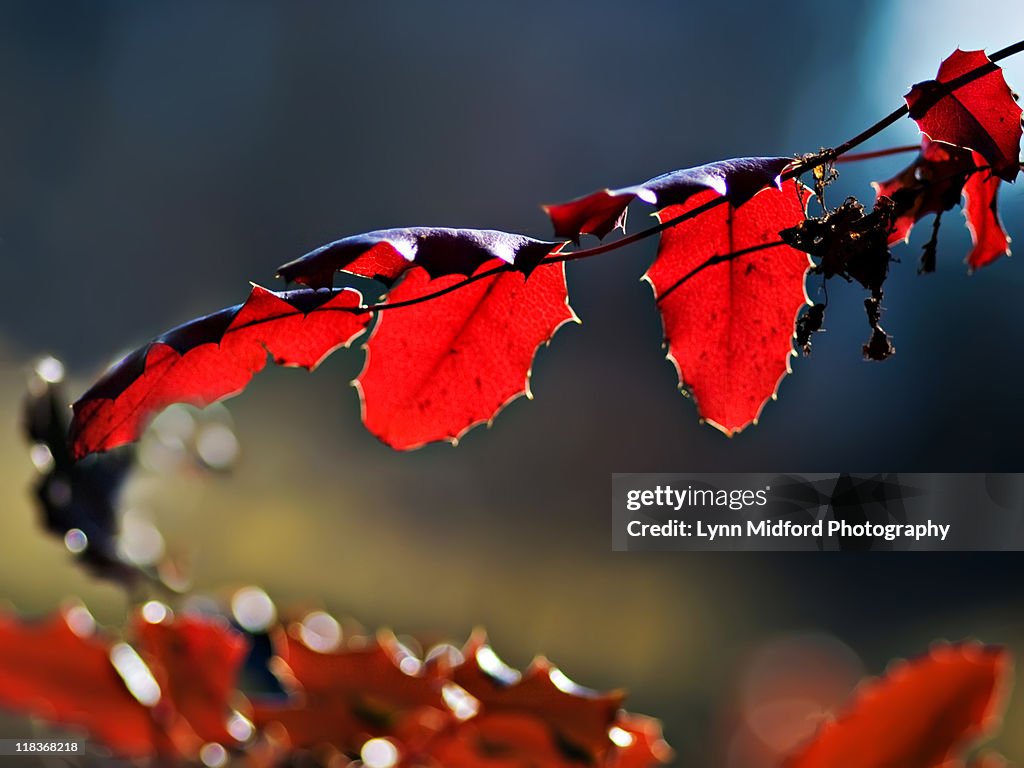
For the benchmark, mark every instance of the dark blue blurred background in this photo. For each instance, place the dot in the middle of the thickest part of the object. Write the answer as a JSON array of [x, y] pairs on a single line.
[[156, 156]]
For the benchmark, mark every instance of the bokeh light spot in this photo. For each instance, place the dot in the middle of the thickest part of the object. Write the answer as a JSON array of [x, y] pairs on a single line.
[[253, 609], [240, 728], [41, 456], [217, 446], [462, 703], [50, 370], [136, 675], [76, 541], [80, 621], [320, 631], [213, 755], [140, 542], [619, 737], [154, 612], [379, 753], [491, 664]]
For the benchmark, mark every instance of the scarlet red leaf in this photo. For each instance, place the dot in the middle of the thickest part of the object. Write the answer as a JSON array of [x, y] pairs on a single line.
[[921, 714], [934, 183], [386, 254], [453, 710], [979, 113], [61, 671], [931, 184], [437, 368], [196, 661], [982, 214], [600, 212], [212, 358], [729, 319]]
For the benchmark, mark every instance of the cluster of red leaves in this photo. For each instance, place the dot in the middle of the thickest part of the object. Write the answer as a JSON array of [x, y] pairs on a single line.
[[455, 338], [935, 182], [173, 689], [971, 142], [434, 369]]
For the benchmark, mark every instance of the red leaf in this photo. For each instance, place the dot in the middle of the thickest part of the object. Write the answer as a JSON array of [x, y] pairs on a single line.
[[931, 184], [581, 717], [344, 697], [385, 255], [919, 715], [456, 709], [934, 183], [58, 670], [212, 358], [600, 212], [981, 114], [437, 368], [340, 699], [982, 214], [729, 326], [196, 661]]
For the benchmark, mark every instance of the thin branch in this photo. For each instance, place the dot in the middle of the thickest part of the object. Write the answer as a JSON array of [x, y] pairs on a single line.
[[636, 236], [553, 260], [826, 156], [837, 154], [858, 156], [830, 155]]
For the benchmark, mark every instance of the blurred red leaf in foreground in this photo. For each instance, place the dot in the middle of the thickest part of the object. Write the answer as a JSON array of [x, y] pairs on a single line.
[[920, 714], [172, 695], [61, 671]]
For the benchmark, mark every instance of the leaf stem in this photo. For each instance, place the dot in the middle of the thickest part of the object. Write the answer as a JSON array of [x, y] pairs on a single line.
[[623, 241], [557, 258], [858, 156]]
